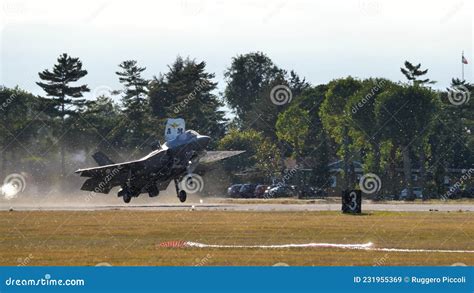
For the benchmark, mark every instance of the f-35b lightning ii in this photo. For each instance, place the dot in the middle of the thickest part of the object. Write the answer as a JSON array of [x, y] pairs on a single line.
[[174, 160]]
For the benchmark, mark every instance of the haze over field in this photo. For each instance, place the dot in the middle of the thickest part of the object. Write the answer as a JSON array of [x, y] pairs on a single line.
[[320, 40]]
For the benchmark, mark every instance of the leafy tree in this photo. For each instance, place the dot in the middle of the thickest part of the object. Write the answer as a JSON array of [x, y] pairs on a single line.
[[268, 158], [452, 142], [413, 73], [335, 120], [247, 77], [260, 153], [317, 149], [320, 175], [68, 98], [264, 112], [365, 129], [292, 127], [406, 112]]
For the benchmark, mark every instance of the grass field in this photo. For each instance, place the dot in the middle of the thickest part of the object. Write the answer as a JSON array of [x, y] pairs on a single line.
[[132, 237]]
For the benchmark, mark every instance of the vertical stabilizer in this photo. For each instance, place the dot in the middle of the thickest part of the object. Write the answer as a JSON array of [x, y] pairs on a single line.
[[174, 127]]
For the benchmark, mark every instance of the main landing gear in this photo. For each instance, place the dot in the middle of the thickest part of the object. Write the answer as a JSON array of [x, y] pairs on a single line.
[[127, 193], [181, 193]]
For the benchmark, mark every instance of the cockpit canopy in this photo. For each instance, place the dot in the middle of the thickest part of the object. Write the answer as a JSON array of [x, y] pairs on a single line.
[[184, 137], [188, 134]]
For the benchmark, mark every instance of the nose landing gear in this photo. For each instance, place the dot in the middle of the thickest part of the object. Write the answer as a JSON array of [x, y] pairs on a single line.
[[182, 196], [181, 193]]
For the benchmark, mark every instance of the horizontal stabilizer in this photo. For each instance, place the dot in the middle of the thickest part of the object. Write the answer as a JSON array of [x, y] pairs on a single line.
[[214, 156], [102, 159], [97, 185]]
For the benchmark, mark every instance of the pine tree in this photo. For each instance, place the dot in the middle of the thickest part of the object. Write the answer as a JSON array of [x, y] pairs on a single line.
[[135, 86], [186, 91], [134, 101], [413, 72], [56, 84]]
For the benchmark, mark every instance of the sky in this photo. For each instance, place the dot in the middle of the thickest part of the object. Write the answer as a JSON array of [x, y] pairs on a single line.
[[320, 40]]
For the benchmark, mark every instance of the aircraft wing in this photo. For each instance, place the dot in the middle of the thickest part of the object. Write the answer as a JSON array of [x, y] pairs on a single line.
[[214, 156], [112, 169]]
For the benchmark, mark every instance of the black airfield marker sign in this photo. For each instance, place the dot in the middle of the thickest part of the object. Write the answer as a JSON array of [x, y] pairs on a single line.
[[352, 201]]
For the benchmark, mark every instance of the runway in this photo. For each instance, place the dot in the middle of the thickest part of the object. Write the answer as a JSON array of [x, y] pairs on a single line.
[[260, 207]]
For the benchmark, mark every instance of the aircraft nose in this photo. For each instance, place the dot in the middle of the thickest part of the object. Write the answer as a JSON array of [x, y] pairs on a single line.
[[203, 140]]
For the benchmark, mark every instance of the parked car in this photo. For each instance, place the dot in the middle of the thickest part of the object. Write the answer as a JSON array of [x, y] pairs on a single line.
[[233, 190], [260, 190], [247, 190], [279, 191], [312, 192], [417, 191]]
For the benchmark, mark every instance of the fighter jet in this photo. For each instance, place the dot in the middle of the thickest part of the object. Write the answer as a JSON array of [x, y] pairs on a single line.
[[173, 161]]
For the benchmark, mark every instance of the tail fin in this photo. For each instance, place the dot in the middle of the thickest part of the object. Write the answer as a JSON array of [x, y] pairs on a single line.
[[102, 159], [174, 127]]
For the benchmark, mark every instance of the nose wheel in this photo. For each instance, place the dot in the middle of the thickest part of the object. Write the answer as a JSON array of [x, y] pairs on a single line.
[[182, 196], [181, 193]]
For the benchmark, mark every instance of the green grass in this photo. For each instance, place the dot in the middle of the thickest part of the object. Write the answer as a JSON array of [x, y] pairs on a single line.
[[132, 237]]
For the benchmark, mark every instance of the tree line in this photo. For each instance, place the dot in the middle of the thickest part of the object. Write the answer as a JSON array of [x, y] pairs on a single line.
[[276, 115]]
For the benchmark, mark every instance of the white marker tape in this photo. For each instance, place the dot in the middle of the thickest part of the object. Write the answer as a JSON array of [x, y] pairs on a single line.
[[365, 246], [329, 245]]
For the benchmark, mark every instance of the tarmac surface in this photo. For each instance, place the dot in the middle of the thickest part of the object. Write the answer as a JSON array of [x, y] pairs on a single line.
[[258, 207]]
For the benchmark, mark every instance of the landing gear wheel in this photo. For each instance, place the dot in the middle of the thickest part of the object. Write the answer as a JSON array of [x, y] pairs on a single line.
[[127, 198], [126, 194], [182, 196]]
